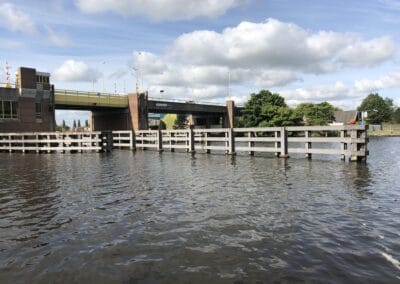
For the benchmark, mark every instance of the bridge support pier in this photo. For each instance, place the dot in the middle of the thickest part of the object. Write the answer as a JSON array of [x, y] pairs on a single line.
[[229, 118], [138, 111]]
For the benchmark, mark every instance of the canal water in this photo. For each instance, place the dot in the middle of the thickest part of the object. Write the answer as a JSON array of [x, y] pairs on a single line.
[[145, 217]]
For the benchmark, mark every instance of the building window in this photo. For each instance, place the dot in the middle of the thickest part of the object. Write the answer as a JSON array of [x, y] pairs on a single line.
[[38, 110], [8, 110], [14, 110]]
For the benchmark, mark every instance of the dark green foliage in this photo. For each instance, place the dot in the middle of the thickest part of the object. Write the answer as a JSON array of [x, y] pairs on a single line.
[[266, 109], [79, 123], [162, 125], [86, 123], [63, 127], [379, 110], [396, 115], [180, 121], [74, 125], [316, 114]]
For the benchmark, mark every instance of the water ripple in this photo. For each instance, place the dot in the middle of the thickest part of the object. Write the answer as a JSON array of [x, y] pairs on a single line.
[[172, 217]]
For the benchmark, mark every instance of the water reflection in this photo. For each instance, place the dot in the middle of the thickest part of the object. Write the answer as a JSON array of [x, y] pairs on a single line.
[[145, 216]]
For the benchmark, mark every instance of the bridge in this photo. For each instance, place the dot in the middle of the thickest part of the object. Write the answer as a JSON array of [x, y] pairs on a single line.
[[116, 111]]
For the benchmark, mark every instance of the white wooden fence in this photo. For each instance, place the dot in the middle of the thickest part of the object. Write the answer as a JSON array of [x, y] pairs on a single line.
[[50, 142], [347, 141]]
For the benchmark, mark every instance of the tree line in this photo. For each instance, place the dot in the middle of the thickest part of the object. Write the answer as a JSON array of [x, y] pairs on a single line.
[[266, 109], [76, 124]]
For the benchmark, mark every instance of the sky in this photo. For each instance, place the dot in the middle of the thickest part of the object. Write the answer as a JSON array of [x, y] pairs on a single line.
[[208, 50]]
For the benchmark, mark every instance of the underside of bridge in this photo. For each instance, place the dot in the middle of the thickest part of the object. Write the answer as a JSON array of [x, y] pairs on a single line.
[[118, 119], [133, 113]]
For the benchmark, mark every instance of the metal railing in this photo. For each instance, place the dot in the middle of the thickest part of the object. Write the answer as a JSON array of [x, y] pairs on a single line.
[[125, 95]]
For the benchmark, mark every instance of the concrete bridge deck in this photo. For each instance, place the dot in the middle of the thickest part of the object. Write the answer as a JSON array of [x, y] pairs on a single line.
[[70, 99]]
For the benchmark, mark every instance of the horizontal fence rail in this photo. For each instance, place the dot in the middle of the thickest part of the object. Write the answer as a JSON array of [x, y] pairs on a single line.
[[347, 141], [40, 142], [123, 139]]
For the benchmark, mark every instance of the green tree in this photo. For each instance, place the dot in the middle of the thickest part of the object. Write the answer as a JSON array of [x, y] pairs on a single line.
[[63, 127], [396, 115], [180, 121], [267, 109], [316, 114], [162, 125], [379, 110], [86, 123], [79, 123], [74, 125]]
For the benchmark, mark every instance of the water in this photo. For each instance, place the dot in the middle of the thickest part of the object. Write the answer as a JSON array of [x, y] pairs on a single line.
[[146, 217]]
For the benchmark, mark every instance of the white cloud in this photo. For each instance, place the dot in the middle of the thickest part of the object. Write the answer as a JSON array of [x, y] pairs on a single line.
[[259, 55], [279, 45], [385, 82], [367, 53], [15, 20], [58, 39], [340, 94], [156, 10], [76, 71]]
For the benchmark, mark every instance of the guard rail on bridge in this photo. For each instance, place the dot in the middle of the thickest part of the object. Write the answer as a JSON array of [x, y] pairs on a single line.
[[93, 99], [117, 100]]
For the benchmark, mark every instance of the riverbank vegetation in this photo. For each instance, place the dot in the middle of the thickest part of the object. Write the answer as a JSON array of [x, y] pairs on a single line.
[[266, 109]]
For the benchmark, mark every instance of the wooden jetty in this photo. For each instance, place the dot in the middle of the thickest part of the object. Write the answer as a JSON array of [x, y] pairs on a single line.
[[345, 141]]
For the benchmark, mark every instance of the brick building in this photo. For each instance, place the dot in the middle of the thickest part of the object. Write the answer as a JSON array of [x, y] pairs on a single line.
[[29, 106]]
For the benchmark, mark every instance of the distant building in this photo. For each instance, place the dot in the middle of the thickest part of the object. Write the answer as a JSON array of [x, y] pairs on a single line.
[[346, 117], [29, 106]]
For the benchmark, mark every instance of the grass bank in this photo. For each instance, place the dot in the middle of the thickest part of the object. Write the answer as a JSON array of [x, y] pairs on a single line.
[[388, 129]]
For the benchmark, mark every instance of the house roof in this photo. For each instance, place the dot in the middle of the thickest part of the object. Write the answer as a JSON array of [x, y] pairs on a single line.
[[345, 116]]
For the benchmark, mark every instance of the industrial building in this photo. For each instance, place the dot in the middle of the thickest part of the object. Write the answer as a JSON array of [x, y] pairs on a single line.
[[27, 105]]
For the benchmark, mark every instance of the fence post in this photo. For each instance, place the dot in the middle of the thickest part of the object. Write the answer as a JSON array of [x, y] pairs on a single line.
[[308, 135], [191, 148], [343, 145], [107, 141], [171, 143], [251, 144], [284, 143], [208, 151], [231, 141], [363, 149], [132, 140], [159, 141], [277, 142], [353, 145]]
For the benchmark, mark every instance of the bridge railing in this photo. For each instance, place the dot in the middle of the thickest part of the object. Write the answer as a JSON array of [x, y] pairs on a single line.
[[87, 93], [69, 97], [124, 96]]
